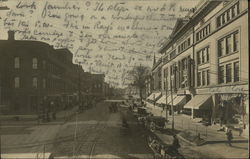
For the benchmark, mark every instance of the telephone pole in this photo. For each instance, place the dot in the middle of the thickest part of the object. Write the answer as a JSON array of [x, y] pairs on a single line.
[[166, 98], [172, 107]]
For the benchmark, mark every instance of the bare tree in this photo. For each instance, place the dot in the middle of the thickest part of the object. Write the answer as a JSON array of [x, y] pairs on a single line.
[[139, 74]]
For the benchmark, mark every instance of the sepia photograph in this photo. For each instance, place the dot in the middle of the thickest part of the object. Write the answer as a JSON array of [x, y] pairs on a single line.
[[124, 79]]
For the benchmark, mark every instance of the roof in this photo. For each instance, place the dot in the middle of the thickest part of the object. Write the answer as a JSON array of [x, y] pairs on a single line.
[[188, 22]]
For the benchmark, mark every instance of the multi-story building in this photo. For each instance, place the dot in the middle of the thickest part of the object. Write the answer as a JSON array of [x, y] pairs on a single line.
[[205, 62], [31, 71], [97, 85]]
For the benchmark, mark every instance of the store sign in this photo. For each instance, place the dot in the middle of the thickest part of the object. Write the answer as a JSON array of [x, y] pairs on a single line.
[[225, 89]]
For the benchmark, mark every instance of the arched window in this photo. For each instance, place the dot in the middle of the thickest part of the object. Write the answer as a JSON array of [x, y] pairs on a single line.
[[17, 82], [16, 62], [34, 63], [34, 82]]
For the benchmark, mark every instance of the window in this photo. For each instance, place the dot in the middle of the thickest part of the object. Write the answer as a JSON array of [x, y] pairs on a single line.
[[203, 55], [16, 62], [218, 22], [203, 32], [228, 73], [17, 82], [34, 63], [220, 48], [221, 74], [189, 42], [172, 54], [198, 58], [199, 79], [208, 77], [44, 64], [228, 15], [231, 43], [34, 82], [207, 53], [203, 78], [228, 44], [44, 83], [236, 41], [236, 72]]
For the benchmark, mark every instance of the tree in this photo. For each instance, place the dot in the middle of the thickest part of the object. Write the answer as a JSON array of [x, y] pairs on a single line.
[[139, 74]]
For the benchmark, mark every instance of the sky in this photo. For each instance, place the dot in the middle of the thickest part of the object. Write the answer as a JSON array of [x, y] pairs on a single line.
[[105, 36]]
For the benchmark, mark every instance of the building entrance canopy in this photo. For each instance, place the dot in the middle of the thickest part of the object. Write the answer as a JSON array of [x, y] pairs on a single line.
[[200, 102]]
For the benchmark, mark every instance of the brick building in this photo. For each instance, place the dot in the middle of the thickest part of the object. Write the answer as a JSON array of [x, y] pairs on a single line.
[[32, 70]]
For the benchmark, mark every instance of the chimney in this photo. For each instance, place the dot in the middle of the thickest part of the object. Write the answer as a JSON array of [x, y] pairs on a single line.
[[11, 35]]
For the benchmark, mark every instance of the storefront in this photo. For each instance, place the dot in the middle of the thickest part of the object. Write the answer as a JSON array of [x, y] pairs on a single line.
[[200, 106], [230, 104]]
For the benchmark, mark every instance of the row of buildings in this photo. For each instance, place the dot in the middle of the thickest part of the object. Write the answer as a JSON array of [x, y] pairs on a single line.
[[31, 71], [204, 64]]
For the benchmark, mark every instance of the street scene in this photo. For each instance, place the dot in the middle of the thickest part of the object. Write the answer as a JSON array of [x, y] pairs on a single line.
[[124, 79]]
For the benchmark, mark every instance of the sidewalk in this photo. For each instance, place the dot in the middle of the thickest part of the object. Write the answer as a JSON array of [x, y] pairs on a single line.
[[61, 117], [215, 145], [209, 133]]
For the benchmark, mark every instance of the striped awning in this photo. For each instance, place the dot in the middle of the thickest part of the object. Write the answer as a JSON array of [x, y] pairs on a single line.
[[200, 102]]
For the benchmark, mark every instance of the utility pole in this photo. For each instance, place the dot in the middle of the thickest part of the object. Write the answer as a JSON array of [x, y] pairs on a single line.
[[79, 86], [172, 107], [166, 97]]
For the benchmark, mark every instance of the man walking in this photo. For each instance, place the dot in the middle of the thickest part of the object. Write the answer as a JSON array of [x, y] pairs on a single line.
[[229, 137]]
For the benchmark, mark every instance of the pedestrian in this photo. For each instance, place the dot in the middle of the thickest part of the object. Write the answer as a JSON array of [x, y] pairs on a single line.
[[240, 131], [176, 144], [229, 137]]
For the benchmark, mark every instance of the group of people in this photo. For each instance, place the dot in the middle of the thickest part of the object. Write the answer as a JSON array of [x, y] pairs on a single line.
[[47, 110], [87, 103], [162, 150], [113, 108]]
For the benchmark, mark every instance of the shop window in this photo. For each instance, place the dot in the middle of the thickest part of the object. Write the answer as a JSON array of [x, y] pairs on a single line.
[[34, 63], [236, 72], [34, 82], [228, 73], [16, 62], [221, 74], [17, 82]]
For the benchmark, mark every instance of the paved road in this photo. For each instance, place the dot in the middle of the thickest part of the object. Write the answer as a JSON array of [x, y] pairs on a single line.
[[97, 133]]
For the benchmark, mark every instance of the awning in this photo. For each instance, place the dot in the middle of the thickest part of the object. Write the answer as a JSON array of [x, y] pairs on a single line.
[[179, 100], [154, 96], [200, 102], [170, 99], [162, 100]]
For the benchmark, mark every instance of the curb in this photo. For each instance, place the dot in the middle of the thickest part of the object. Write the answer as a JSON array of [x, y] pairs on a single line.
[[185, 140]]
